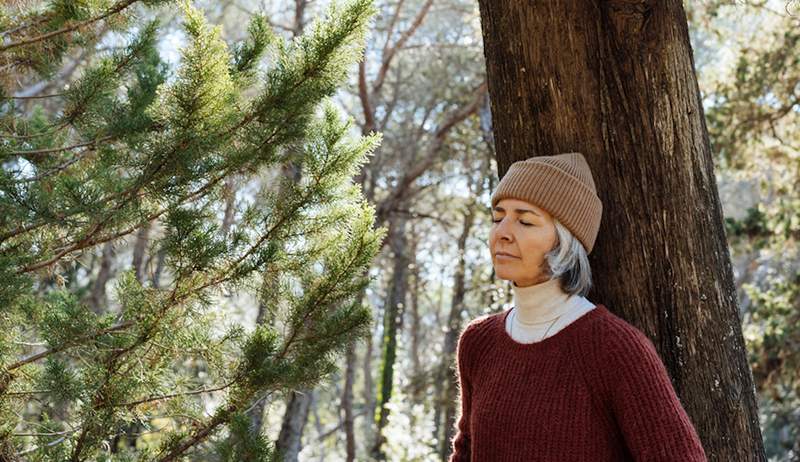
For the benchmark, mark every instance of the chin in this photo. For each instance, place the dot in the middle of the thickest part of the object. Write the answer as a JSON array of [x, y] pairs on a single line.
[[503, 274]]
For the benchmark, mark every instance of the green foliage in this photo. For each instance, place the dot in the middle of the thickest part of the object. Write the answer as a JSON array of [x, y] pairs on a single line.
[[89, 103], [191, 241], [308, 69], [772, 335], [760, 96], [244, 444], [80, 10], [133, 143], [38, 40], [129, 118], [202, 99], [63, 383], [49, 450], [752, 226], [247, 54], [62, 318]]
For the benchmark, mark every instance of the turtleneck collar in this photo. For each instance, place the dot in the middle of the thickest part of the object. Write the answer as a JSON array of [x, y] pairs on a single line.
[[540, 302]]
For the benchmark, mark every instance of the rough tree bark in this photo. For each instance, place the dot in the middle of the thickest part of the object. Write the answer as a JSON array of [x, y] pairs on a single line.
[[615, 80]]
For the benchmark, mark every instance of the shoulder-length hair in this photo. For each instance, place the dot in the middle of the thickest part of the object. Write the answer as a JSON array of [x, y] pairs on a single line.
[[569, 262]]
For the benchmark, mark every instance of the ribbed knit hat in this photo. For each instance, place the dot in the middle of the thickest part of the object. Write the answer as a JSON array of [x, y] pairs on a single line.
[[561, 184]]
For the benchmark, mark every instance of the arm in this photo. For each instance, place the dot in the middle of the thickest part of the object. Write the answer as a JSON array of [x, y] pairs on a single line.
[[461, 441], [652, 419]]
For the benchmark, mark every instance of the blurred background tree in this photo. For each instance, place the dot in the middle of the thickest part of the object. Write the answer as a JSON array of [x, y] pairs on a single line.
[[748, 56]]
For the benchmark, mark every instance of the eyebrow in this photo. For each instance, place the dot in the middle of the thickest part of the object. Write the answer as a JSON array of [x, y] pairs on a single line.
[[501, 209]]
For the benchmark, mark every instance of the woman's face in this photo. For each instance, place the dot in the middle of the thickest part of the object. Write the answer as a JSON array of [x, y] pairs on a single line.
[[527, 233]]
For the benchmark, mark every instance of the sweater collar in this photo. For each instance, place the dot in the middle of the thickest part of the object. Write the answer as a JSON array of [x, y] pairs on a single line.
[[540, 302]]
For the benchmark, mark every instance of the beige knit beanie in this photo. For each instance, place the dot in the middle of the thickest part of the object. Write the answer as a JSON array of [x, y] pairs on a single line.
[[562, 185]]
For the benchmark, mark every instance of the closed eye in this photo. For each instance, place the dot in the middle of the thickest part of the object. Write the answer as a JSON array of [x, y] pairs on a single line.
[[526, 224]]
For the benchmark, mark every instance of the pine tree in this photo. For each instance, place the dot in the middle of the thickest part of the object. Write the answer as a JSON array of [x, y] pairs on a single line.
[[130, 143]]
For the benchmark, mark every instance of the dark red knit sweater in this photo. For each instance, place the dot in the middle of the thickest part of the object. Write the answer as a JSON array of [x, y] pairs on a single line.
[[595, 391]]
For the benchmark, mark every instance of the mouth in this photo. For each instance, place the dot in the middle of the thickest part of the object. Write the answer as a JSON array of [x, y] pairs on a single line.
[[504, 255]]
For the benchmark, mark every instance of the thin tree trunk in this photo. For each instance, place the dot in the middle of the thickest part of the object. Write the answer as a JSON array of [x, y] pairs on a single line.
[[369, 391], [98, 299], [615, 80], [392, 322], [140, 251], [418, 381], [446, 386], [295, 417], [347, 400], [160, 261], [229, 193]]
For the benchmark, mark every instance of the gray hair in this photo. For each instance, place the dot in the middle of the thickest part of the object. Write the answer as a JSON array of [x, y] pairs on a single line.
[[569, 262]]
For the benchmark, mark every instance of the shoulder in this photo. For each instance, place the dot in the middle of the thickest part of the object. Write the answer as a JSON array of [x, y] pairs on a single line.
[[476, 333], [482, 322], [614, 333], [477, 327], [624, 350]]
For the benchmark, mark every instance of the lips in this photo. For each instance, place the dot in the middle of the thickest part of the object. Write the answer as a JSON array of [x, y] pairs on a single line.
[[504, 254]]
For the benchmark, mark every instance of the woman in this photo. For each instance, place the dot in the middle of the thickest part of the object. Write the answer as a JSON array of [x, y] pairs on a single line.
[[556, 377]]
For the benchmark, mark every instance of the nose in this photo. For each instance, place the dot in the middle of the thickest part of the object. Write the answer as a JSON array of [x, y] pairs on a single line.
[[503, 231]]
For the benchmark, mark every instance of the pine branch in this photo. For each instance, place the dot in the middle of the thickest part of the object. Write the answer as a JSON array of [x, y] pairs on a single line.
[[150, 174], [88, 241], [133, 359], [53, 130], [111, 364], [222, 417], [43, 18], [39, 152], [173, 300], [53, 171], [150, 399], [62, 347], [199, 193], [54, 95], [200, 434], [113, 10], [325, 292]]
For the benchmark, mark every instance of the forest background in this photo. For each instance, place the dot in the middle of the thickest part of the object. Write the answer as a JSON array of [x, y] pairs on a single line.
[[426, 180]]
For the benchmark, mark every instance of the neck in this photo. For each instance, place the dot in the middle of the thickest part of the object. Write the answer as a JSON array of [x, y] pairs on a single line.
[[539, 302]]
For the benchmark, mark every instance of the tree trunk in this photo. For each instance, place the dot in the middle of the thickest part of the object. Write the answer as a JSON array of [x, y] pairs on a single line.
[[392, 324], [447, 384], [98, 300], [419, 374], [140, 251], [615, 81], [294, 421], [347, 400], [368, 392]]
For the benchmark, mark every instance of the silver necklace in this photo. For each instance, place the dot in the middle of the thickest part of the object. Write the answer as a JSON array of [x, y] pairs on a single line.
[[531, 324]]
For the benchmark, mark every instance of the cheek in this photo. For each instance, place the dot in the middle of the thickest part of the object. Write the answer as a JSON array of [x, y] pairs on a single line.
[[530, 245]]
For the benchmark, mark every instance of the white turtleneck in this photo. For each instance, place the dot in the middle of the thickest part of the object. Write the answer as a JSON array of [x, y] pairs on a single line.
[[542, 303]]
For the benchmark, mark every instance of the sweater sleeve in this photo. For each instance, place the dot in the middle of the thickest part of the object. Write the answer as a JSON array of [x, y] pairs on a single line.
[[461, 441], [655, 426]]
